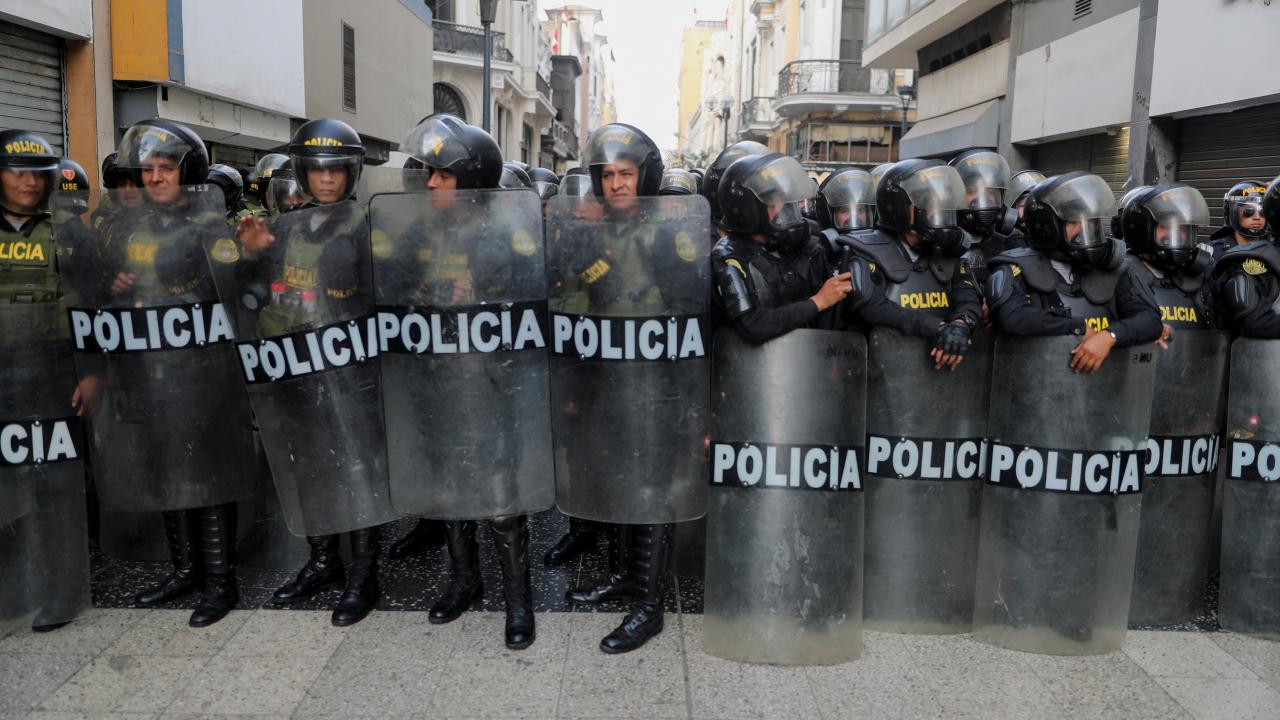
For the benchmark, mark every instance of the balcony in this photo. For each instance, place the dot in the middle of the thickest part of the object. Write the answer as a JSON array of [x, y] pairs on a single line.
[[897, 29], [757, 119], [808, 86], [467, 40], [562, 138], [544, 88]]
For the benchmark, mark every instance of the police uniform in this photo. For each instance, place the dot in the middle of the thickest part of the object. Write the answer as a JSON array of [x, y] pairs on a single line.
[[1185, 299], [914, 293], [1248, 278]]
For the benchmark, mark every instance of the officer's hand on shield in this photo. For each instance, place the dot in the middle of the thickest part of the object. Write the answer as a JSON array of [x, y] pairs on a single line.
[[950, 344], [87, 394], [122, 283], [1087, 357], [1166, 337], [833, 291], [254, 235]]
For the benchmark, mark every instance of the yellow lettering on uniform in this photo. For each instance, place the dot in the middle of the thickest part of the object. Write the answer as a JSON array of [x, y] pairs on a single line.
[[595, 272], [919, 301], [300, 277], [1097, 324], [1178, 313], [22, 250], [23, 146], [142, 253], [322, 142]]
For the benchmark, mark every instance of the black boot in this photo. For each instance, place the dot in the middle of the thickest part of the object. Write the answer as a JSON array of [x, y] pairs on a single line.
[[650, 556], [619, 583], [183, 548], [464, 573], [426, 534], [580, 538], [218, 548], [322, 571], [362, 579], [511, 538]]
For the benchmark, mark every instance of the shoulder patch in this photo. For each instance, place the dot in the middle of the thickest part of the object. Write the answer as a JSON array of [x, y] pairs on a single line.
[[733, 263], [225, 250], [686, 249], [1017, 270], [380, 244], [1254, 266], [871, 266], [523, 243]]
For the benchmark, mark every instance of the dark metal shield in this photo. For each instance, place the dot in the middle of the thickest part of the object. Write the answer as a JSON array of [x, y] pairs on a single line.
[[44, 547], [784, 516], [307, 346], [172, 428], [629, 367], [1249, 595], [460, 285], [926, 442], [1062, 501], [1174, 539]]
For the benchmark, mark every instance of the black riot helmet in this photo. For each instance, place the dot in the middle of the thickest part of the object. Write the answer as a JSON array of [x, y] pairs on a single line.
[[445, 142], [1244, 199], [678, 182], [1020, 183], [727, 157], [619, 142], [1117, 221], [545, 182], [878, 172], [260, 179], [282, 190], [524, 166], [112, 173], [150, 139], [27, 152], [576, 183], [514, 177], [1070, 213], [847, 200], [757, 186], [1271, 205], [1163, 220], [72, 192], [228, 180], [325, 144], [936, 193], [986, 177]]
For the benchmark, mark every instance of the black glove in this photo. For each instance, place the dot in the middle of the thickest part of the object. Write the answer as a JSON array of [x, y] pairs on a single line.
[[953, 338]]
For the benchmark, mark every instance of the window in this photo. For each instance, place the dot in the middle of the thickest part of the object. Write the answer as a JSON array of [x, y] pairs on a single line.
[[348, 67], [526, 145], [447, 100], [500, 127], [851, 22], [441, 10]]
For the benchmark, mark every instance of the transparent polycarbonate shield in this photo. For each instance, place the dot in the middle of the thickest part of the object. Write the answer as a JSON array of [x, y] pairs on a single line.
[[301, 300], [171, 428], [630, 372], [44, 547], [1249, 589], [785, 505], [1177, 503], [1063, 496], [926, 442], [460, 288]]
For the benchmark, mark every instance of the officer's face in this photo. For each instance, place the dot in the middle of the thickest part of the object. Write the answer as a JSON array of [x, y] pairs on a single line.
[[843, 217], [620, 181], [1250, 216], [442, 184], [327, 183], [1021, 206], [162, 178], [128, 194], [23, 189]]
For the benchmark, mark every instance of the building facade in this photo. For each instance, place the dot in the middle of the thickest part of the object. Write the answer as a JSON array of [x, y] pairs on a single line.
[[578, 32], [700, 66]]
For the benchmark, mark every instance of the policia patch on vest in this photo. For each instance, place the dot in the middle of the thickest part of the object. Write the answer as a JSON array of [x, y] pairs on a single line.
[[1253, 266]]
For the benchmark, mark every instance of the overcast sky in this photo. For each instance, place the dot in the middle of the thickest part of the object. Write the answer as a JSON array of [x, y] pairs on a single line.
[[645, 35]]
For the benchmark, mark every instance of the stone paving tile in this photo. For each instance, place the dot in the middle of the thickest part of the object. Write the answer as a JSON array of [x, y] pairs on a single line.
[[91, 633], [125, 683], [1223, 698], [939, 654], [646, 683], [281, 633], [352, 685], [242, 685], [849, 691], [1187, 655], [166, 632], [55, 715], [1090, 695], [28, 679], [1260, 656], [988, 694], [400, 634]]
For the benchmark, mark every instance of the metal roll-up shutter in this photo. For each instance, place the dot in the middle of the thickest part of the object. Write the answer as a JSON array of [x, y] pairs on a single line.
[[1218, 151], [31, 96], [1063, 156], [1103, 154]]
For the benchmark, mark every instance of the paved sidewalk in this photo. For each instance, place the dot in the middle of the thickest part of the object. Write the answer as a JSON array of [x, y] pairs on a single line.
[[123, 663]]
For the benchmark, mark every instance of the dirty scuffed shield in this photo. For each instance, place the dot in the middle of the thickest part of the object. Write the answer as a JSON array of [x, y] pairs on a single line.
[[629, 368], [44, 548], [1249, 600], [1180, 472], [1063, 495], [306, 342], [172, 429], [460, 286], [926, 447], [784, 510]]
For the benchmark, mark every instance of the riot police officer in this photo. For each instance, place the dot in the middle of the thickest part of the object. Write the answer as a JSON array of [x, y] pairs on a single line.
[[1249, 276], [546, 184], [1159, 227], [771, 274], [1242, 217], [514, 177], [283, 194], [878, 172], [260, 180], [1020, 183], [327, 156], [126, 195], [846, 201], [1071, 279], [990, 226], [711, 183], [678, 182], [921, 285], [231, 184]]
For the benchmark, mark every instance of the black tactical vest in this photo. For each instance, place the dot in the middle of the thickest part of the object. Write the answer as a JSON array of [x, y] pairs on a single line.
[[923, 284], [1180, 297], [1092, 295]]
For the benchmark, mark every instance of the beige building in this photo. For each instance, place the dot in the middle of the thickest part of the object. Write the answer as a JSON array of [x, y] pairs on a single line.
[[694, 45], [577, 33]]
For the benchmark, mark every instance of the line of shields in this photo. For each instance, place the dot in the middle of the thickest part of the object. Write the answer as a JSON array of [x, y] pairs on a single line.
[[461, 356]]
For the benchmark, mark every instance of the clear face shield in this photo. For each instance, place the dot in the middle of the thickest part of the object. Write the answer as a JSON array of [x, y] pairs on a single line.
[[783, 187], [851, 196], [937, 193], [1178, 212], [1086, 205]]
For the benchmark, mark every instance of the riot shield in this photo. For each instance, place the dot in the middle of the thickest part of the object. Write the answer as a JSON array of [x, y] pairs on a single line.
[[629, 368], [44, 544], [1180, 468], [301, 302], [1060, 507], [784, 510], [1249, 595], [926, 443], [172, 427], [460, 286]]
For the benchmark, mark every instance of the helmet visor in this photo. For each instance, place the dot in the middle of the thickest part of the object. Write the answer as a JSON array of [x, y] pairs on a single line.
[[327, 179], [786, 215], [143, 144], [576, 185], [614, 143], [854, 216], [679, 183], [1082, 198], [435, 144], [284, 193], [937, 192], [782, 181], [546, 189], [1178, 212], [1020, 184], [985, 176], [850, 187]]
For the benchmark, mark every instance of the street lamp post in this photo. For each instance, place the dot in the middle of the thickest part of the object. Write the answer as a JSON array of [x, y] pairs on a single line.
[[906, 94], [488, 13]]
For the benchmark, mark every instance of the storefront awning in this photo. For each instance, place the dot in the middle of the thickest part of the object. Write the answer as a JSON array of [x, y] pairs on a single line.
[[949, 134]]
